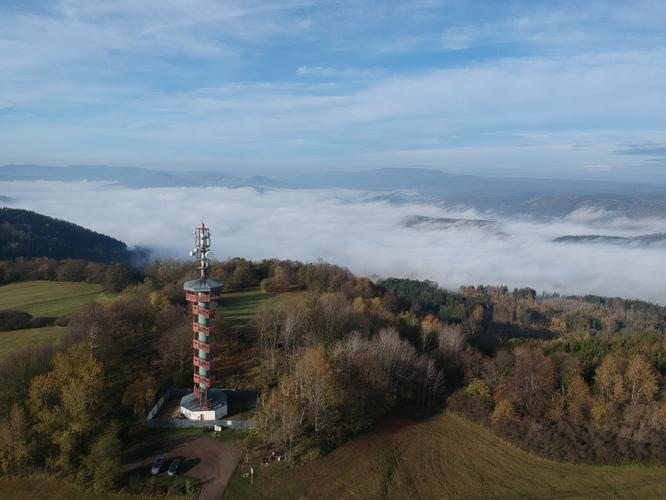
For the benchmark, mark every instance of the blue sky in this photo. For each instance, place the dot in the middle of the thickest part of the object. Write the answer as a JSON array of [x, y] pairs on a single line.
[[548, 89]]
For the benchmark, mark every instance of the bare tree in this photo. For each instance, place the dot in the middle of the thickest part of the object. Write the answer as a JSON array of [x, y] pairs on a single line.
[[315, 383]]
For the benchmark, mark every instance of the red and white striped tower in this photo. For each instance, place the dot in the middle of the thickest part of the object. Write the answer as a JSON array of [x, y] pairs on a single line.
[[202, 292]]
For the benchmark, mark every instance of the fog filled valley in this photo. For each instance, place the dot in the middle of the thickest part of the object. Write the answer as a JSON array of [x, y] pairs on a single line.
[[589, 250]]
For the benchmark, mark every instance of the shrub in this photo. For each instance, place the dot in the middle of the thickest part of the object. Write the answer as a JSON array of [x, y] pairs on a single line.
[[478, 387]]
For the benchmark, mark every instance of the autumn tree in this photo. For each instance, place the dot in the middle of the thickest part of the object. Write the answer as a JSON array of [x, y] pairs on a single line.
[[140, 395], [316, 385], [431, 329], [290, 414], [611, 381], [642, 380], [265, 416], [104, 461], [14, 441], [68, 404], [531, 383], [572, 397]]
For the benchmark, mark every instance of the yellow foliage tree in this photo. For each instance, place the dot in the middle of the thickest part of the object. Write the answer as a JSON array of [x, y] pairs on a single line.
[[504, 413]]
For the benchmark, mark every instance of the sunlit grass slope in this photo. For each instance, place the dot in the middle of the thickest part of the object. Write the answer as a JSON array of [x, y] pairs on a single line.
[[444, 457], [20, 339], [43, 299], [49, 299], [238, 308]]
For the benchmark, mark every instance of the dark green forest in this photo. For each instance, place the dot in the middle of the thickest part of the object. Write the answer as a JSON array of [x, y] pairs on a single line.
[[28, 234]]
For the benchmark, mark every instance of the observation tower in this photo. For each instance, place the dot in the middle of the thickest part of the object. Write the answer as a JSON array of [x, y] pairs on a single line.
[[204, 403]]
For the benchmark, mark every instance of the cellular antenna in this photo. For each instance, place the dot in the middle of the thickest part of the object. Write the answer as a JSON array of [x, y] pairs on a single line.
[[201, 250]]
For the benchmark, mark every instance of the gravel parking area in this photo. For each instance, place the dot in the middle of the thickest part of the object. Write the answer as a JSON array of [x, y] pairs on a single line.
[[210, 461]]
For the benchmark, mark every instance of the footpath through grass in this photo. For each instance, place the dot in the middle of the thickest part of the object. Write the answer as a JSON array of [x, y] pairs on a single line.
[[16, 340], [444, 457], [49, 299]]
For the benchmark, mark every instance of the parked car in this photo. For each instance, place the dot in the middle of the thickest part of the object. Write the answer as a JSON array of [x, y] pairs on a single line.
[[173, 468], [157, 466]]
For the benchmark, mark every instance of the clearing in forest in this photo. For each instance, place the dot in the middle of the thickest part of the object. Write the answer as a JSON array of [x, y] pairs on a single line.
[[15, 340], [43, 299], [49, 299]]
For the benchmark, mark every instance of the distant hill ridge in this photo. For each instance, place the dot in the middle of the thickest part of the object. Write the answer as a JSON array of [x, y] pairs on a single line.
[[426, 181], [134, 177], [644, 239], [502, 195], [28, 234], [422, 221]]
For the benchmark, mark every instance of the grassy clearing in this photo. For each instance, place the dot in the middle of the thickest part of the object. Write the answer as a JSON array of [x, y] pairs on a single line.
[[55, 489], [238, 308], [235, 310], [16, 340], [49, 299], [444, 457], [45, 299]]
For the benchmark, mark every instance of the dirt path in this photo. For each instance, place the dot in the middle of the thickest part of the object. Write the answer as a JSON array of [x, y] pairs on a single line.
[[210, 461]]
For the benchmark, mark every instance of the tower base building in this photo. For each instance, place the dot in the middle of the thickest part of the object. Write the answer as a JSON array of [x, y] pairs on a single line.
[[190, 406]]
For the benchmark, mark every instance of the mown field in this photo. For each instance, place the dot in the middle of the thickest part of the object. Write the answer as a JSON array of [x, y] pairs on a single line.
[[19, 339], [238, 308], [444, 457], [49, 299], [235, 310], [53, 489], [43, 299]]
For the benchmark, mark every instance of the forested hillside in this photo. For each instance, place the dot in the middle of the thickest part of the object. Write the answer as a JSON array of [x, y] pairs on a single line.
[[575, 379], [28, 234]]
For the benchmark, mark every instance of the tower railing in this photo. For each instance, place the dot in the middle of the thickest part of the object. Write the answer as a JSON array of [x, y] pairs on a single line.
[[204, 363], [206, 381], [207, 348], [199, 328], [201, 296], [201, 311]]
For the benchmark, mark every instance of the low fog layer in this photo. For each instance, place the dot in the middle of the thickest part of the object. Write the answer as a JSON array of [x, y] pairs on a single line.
[[369, 237]]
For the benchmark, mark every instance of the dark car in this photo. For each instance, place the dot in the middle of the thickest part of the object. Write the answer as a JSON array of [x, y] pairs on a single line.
[[157, 466], [173, 468]]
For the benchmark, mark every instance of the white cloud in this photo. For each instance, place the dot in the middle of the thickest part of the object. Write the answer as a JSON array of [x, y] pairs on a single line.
[[331, 72], [169, 82], [341, 227]]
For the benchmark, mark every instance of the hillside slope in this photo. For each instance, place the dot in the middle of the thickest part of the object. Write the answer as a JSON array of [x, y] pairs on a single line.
[[49, 299], [28, 234], [444, 457]]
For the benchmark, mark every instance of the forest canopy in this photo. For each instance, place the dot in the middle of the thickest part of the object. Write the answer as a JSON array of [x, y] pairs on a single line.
[[28, 235]]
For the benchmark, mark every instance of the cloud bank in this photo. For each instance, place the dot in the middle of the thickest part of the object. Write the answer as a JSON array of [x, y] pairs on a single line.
[[369, 237]]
